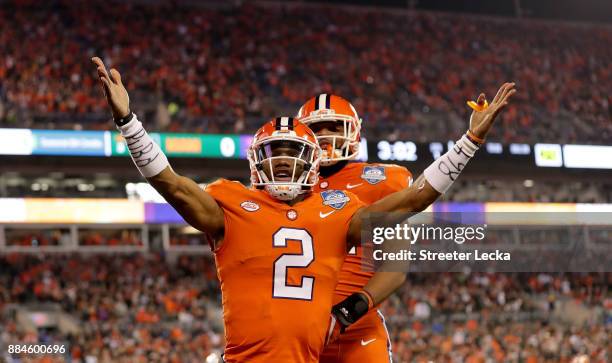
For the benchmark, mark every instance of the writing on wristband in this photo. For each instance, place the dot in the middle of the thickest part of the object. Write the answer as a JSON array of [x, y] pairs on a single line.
[[446, 169], [143, 151], [146, 154], [450, 166]]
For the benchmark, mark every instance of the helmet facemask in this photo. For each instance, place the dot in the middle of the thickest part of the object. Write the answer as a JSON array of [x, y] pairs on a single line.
[[343, 143], [285, 165]]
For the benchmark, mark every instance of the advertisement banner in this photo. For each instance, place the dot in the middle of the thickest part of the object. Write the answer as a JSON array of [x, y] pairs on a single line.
[[124, 211], [16, 142], [12, 210], [79, 210], [587, 156], [222, 146], [78, 143], [186, 145]]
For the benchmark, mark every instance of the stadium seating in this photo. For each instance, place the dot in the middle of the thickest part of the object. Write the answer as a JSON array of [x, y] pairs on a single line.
[[225, 70], [140, 308]]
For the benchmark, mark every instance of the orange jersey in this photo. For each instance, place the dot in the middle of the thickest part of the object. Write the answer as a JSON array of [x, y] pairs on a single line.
[[278, 266], [370, 182]]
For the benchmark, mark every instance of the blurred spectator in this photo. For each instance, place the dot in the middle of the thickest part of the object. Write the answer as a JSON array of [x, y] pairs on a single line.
[[110, 238], [131, 308], [35, 238], [135, 307], [536, 192], [226, 70]]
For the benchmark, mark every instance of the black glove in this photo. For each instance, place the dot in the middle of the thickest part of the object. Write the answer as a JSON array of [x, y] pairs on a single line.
[[347, 312]]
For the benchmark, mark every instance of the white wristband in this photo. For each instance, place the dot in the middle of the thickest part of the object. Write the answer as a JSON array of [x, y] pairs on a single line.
[[446, 169], [147, 155]]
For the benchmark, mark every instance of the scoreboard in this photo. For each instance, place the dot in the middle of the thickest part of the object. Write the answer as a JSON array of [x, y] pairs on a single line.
[[538, 155]]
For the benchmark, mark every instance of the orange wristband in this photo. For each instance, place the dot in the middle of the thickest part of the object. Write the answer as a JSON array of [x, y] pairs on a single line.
[[370, 299], [474, 138]]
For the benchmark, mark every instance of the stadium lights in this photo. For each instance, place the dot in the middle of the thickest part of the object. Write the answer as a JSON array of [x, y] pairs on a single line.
[[39, 187], [144, 192], [82, 187]]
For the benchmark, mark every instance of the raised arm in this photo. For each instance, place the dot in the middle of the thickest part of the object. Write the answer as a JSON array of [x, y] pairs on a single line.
[[196, 206], [441, 174]]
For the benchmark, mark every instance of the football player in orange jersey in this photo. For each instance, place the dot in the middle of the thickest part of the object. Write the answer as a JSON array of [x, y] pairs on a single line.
[[338, 127], [277, 262]]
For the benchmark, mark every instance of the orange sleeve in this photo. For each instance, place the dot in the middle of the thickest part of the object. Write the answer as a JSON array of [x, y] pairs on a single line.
[[217, 189], [398, 178], [224, 192], [354, 205]]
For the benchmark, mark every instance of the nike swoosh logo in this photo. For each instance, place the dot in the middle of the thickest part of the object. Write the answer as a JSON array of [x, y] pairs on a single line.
[[325, 215], [351, 186], [367, 341]]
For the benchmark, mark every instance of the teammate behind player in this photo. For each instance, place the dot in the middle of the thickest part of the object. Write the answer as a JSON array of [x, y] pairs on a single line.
[[276, 261], [338, 128]]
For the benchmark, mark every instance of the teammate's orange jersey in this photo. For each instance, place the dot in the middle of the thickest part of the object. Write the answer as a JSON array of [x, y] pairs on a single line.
[[370, 182], [278, 266]]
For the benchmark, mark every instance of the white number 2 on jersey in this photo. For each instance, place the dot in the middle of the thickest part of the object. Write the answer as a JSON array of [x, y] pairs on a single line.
[[285, 261]]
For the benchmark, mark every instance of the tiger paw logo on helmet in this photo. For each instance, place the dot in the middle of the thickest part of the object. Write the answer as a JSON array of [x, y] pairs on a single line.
[[373, 174], [336, 199]]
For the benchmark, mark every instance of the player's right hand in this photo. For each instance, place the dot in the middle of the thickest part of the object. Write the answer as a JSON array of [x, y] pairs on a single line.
[[116, 94], [484, 115]]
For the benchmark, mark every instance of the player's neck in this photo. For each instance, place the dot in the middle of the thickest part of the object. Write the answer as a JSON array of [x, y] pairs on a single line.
[[327, 171]]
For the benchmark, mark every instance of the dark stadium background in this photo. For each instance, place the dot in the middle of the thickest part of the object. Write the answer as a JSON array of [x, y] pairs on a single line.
[[128, 291]]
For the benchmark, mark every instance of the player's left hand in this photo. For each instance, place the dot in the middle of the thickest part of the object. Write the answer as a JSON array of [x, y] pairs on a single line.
[[347, 312], [483, 116]]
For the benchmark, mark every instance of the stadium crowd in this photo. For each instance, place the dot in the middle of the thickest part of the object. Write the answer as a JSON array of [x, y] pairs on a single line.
[[226, 68], [139, 308], [130, 309], [62, 237], [529, 191]]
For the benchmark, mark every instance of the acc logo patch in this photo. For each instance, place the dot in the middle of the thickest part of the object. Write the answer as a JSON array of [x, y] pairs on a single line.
[[336, 199], [249, 206], [373, 174]]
